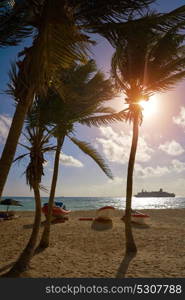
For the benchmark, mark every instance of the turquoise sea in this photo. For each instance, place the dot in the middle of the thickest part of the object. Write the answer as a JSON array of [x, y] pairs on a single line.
[[87, 203]]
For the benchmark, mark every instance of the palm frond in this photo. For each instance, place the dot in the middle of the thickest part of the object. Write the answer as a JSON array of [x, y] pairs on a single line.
[[58, 42], [38, 146], [93, 153], [173, 18], [25, 146], [97, 12], [20, 157], [13, 25], [105, 119], [13, 79], [84, 96], [43, 188], [167, 83], [105, 110]]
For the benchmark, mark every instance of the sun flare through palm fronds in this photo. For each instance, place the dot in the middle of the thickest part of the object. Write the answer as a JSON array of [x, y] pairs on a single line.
[[149, 107]]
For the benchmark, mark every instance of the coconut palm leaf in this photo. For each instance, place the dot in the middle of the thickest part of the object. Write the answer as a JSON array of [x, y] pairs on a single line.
[[20, 157], [84, 96], [147, 58], [93, 153], [173, 18], [105, 110], [13, 26], [167, 83], [38, 146], [93, 12], [105, 119], [43, 188], [58, 42], [25, 146]]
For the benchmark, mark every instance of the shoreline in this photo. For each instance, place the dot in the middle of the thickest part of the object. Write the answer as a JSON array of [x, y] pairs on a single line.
[[79, 250]]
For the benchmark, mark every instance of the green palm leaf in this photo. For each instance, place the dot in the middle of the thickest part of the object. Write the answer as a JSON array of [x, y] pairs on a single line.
[[105, 119], [13, 25], [93, 153], [167, 83], [37, 147], [105, 110], [93, 12]]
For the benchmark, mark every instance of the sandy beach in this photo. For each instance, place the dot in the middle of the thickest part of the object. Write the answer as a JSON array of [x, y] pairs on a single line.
[[79, 249]]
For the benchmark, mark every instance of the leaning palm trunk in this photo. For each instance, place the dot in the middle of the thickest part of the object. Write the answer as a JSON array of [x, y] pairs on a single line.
[[44, 242], [13, 137], [130, 244], [23, 261]]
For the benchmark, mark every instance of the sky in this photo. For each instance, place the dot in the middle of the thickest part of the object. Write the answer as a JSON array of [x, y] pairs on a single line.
[[160, 160]]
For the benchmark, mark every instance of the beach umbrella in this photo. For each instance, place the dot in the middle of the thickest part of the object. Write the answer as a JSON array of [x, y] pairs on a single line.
[[9, 202]]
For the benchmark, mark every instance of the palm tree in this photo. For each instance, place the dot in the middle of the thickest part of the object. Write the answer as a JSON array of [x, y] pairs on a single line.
[[39, 145], [84, 92], [149, 58], [57, 41]]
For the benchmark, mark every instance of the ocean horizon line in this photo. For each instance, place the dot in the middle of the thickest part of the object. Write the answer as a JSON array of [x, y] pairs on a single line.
[[92, 202], [67, 196]]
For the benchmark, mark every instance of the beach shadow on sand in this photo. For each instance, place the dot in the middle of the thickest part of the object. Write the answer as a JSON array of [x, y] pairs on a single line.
[[28, 226], [140, 226], [6, 267], [121, 272]]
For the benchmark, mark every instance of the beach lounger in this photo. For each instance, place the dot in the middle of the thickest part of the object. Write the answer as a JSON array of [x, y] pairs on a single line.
[[137, 217], [58, 214], [7, 216]]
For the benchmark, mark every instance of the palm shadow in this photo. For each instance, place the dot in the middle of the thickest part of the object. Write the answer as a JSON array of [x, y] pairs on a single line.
[[121, 272], [140, 226], [57, 221], [29, 226], [6, 267]]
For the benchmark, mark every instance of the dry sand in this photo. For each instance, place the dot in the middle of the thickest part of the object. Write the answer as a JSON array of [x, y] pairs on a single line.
[[78, 249]]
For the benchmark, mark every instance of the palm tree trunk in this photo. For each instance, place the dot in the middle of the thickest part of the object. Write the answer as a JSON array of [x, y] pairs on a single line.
[[130, 244], [23, 261], [44, 242], [13, 137]]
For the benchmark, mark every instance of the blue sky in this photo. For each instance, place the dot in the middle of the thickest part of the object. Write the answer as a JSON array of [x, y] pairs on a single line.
[[161, 153]]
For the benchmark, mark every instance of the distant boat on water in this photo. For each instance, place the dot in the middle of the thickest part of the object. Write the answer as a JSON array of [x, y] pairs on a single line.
[[159, 193]]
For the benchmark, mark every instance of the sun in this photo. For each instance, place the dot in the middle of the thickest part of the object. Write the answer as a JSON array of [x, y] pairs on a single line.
[[149, 107]]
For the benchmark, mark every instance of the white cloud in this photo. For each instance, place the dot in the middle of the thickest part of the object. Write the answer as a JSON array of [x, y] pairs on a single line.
[[150, 171], [172, 148], [5, 123], [69, 160], [178, 166], [180, 119], [116, 181], [116, 146]]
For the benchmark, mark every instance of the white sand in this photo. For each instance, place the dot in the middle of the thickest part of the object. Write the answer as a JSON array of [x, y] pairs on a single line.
[[78, 250]]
